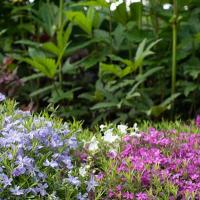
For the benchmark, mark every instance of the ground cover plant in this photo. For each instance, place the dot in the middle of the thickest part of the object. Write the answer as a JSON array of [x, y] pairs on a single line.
[[42, 157]]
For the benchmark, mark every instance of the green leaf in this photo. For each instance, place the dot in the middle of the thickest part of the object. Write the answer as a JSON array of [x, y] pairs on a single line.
[[120, 14], [60, 95], [42, 90], [190, 87], [165, 105], [51, 47], [81, 20], [32, 77], [141, 52], [136, 12], [102, 3], [110, 69], [63, 37], [68, 68], [35, 52], [93, 59], [28, 43], [103, 105], [72, 49], [140, 79], [45, 65]]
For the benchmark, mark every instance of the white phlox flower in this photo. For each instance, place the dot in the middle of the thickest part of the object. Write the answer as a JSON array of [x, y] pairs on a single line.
[[135, 131], [83, 171], [109, 137], [102, 127], [122, 128], [93, 146]]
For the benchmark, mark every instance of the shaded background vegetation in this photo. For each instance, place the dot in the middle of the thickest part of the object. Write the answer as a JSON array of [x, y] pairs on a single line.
[[100, 60]]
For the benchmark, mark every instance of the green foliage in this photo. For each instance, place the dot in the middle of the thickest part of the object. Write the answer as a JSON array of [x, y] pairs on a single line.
[[98, 63]]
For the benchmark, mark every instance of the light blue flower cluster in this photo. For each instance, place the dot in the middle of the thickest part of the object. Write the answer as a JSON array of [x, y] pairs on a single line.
[[36, 156]]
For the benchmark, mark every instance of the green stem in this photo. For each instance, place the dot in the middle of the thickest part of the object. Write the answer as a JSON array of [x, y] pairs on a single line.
[[154, 17], [110, 31], [140, 27], [60, 27], [61, 7], [174, 50]]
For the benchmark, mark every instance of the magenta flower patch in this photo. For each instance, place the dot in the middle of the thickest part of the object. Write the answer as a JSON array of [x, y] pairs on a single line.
[[197, 121], [156, 164]]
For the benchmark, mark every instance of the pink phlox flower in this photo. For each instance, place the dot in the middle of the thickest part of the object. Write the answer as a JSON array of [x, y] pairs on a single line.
[[197, 121], [128, 195]]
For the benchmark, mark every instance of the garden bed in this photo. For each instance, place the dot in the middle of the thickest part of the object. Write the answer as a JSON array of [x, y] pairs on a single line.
[[44, 158]]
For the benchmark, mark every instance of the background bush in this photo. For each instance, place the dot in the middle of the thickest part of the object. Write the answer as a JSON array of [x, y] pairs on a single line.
[[100, 60]]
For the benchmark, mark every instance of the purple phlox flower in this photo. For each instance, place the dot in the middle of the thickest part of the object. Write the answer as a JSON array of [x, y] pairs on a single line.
[[5, 180], [24, 161], [30, 190], [82, 197], [64, 158], [128, 195], [119, 188], [111, 193], [100, 176], [112, 154], [19, 171], [8, 120], [23, 113], [142, 196], [13, 136], [41, 189], [83, 156], [65, 129], [122, 167], [74, 181], [56, 141], [14, 124], [17, 191], [40, 176], [145, 179], [51, 163], [68, 162], [2, 97], [194, 176], [91, 184], [9, 155], [43, 133], [197, 121], [72, 142]]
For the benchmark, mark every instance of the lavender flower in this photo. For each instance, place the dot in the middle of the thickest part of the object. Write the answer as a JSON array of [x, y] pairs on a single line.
[[17, 191], [18, 171], [41, 189], [5, 180], [72, 142], [52, 163], [82, 197], [74, 181], [2, 97], [91, 184]]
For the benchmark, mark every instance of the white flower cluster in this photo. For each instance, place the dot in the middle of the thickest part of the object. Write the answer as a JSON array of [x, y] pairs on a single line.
[[110, 137], [114, 4]]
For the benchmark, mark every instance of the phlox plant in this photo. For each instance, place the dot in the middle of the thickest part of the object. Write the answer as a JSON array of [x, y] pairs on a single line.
[[155, 165], [38, 157], [42, 157]]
